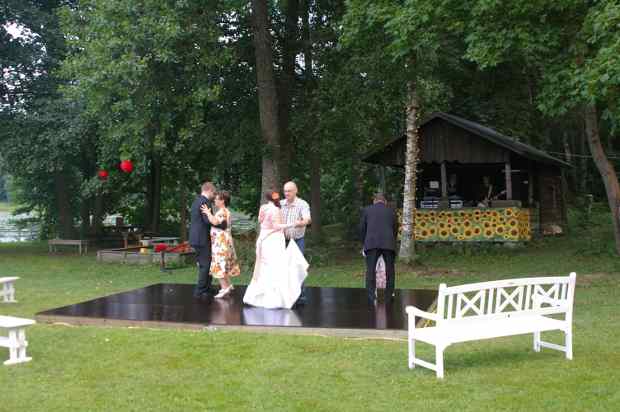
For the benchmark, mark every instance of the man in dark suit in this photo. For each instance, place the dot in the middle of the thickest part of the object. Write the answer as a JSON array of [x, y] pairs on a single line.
[[378, 232], [200, 238]]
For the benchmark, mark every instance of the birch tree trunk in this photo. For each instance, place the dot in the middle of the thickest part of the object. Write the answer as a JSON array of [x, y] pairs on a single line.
[[407, 244], [605, 168], [267, 95]]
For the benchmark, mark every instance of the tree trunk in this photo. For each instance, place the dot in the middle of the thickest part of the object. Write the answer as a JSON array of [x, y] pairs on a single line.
[[583, 162], [156, 166], [97, 226], [183, 211], [287, 83], [64, 225], [407, 244], [148, 195], [267, 96], [605, 168], [315, 146]]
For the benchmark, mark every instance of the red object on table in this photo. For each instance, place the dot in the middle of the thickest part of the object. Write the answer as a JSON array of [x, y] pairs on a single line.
[[103, 174], [126, 166], [160, 247]]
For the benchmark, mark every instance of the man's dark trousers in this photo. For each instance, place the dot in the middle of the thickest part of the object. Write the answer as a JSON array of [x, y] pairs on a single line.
[[203, 259], [372, 256]]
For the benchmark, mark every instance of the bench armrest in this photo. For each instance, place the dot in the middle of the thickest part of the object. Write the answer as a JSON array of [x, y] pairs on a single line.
[[413, 311], [538, 298]]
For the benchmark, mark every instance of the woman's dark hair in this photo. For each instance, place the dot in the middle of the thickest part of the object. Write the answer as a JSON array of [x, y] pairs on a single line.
[[225, 196], [273, 196]]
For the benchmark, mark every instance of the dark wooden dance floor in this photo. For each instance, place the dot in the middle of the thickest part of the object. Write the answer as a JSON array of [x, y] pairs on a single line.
[[329, 311]]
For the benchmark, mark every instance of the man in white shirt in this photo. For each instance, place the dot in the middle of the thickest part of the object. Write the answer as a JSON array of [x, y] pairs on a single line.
[[295, 211]]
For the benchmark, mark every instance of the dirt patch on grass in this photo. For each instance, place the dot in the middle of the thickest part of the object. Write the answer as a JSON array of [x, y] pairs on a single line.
[[592, 278], [437, 272]]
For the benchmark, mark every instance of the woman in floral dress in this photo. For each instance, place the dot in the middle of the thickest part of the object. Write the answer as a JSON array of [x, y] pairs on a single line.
[[223, 257]]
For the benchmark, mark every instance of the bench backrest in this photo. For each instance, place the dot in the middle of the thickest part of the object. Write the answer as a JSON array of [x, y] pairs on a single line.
[[503, 298]]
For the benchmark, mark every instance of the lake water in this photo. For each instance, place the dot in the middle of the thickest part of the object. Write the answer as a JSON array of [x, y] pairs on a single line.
[[11, 231]]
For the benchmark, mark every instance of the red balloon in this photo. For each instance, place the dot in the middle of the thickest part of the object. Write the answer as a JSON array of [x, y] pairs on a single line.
[[126, 166], [103, 174]]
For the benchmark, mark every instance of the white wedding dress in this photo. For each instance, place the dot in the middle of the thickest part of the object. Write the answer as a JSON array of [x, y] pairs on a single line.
[[278, 272]]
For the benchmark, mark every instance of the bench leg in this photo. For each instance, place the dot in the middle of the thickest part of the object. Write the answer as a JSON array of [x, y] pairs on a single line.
[[17, 348], [411, 353], [439, 361], [8, 293], [536, 341], [568, 344]]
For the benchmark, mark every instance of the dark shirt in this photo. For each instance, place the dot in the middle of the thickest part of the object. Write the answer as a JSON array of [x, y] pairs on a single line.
[[200, 227]]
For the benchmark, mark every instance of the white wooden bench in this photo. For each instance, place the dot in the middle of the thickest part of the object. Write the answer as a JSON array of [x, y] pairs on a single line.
[[495, 309], [7, 290], [53, 243], [16, 339]]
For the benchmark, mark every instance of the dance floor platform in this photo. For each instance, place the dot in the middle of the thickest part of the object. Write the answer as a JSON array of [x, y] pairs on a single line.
[[329, 311]]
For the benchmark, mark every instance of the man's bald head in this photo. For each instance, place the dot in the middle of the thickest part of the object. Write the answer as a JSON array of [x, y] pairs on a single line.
[[290, 191]]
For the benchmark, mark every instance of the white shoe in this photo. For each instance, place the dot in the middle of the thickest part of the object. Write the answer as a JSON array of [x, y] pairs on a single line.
[[223, 292]]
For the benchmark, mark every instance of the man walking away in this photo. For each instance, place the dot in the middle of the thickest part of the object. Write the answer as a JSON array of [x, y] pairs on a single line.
[[378, 228]]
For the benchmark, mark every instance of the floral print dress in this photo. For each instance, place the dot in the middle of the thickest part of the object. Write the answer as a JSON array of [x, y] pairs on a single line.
[[224, 259]]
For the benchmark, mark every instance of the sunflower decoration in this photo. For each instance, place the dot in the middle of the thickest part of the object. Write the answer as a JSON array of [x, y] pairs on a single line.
[[513, 222], [432, 231], [468, 233], [514, 233], [477, 231], [488, 233], [487, 225], [454, 230], [500, 230], [466, 224], [444, 233], [509, 212]]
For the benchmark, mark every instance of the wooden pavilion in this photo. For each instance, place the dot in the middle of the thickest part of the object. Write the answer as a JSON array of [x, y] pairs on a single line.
[[476, 184]]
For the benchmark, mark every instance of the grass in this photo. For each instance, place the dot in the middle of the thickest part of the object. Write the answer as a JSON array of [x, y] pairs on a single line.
[[137, 369]]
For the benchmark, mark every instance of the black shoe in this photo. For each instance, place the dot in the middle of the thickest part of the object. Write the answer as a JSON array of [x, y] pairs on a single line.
[[203, 297]]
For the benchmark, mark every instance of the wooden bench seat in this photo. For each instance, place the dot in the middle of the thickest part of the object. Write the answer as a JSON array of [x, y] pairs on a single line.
[[7, 289], [495, 309], [16, 339], [53, 243]]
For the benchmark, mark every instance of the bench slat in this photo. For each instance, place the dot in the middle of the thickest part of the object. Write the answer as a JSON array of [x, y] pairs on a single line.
[[10, 322]]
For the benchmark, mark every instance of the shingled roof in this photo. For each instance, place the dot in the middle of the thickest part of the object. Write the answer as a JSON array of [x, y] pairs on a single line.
[[486, 133]]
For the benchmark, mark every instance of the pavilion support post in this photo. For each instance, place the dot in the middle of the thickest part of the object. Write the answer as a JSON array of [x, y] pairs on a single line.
[[444, 182], [508, 172], [530, 187]]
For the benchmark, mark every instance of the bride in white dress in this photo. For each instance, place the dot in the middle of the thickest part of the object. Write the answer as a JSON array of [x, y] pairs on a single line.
[[279, 271]]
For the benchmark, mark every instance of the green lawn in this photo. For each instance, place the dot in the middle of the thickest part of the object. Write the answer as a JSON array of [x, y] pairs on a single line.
[[118, 369]]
